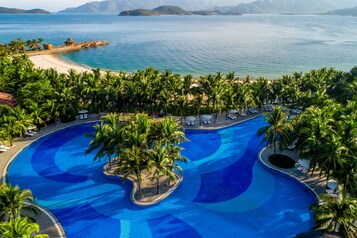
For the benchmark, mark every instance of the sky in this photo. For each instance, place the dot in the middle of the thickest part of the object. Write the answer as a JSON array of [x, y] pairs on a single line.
[[56, 5]]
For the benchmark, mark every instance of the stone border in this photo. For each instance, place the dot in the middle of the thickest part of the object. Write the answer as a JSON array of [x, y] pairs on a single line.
[[56, 223], [286, 173], [179, 180]]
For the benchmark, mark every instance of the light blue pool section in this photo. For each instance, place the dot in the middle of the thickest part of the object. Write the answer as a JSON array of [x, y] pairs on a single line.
[[225, 192]]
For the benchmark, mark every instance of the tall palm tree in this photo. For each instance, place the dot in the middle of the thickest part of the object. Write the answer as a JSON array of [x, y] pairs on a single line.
[[337, 214], [277, 129], [159, 161], [13, 200], [132, 162]]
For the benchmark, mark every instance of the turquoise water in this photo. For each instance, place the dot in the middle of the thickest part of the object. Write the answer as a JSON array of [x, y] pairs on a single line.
[[268, 45], [225, 191]]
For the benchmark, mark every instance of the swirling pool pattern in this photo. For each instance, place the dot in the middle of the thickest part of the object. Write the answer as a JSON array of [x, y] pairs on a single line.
[[225, 191]]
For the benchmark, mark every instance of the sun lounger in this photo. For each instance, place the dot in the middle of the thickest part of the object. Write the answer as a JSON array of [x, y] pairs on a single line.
[[231, 116], [192, 123], [29, 134], [300, 167], [204, 120], [81, 117], [188, 122], [3, 150], [4, 147], [293, 145], [85, 116]]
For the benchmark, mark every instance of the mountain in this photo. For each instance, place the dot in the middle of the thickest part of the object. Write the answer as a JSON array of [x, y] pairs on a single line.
[[4, 10], [289, 6], [167, 10], [343, 12], [114, 6]]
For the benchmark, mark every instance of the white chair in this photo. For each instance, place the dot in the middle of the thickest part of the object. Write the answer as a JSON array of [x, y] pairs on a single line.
[[85, 116], [188, 122], [81, 117], [192, 123], [204, 120], [4, 147]]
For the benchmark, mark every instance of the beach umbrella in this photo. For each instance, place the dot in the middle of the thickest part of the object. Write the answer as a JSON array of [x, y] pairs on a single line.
[[233, 111], [82, 111], [205, 116], [191, 118]]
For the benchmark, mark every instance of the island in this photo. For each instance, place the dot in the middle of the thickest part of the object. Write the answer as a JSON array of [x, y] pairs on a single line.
[[172, 10], [343, 12], [4, 10]]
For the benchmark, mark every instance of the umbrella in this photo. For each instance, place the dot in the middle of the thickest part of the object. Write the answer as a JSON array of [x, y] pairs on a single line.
[[205, 116], [191, 118], [82, 111], [234, 111]]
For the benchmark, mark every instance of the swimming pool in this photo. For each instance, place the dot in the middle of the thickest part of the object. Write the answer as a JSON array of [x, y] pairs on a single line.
[[225, 191]]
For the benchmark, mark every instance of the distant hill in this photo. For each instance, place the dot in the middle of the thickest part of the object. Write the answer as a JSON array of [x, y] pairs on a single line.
[[4, 10], [343, 12], [114, 6], [168, 10], [286, 6]]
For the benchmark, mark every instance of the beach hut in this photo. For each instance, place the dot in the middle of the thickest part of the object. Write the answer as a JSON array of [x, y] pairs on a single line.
[[48, 46], [35, 47], [70, 42]]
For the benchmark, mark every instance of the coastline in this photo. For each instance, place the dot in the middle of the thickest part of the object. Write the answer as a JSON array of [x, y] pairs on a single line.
[[53, 61]]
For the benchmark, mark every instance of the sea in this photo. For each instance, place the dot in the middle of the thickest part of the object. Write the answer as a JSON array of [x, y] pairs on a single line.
[[256, 45]]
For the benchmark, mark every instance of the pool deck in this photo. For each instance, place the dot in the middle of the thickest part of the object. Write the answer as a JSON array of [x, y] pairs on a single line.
[[50, 225]]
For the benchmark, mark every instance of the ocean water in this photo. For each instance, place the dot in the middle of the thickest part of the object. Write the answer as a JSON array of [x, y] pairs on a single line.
[[259, 45]]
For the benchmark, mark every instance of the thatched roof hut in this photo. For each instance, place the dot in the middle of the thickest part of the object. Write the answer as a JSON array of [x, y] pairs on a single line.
[[69, 42], [35, 47]]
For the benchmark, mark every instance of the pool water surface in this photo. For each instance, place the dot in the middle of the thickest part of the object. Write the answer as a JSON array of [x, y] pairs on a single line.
[[225, 191]]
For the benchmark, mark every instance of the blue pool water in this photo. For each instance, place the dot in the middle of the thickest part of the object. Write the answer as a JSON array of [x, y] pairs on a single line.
[[225, 191]]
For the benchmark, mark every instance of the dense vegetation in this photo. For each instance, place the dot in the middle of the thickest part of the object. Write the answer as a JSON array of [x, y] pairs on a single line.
[[139, 144], [327, 130]]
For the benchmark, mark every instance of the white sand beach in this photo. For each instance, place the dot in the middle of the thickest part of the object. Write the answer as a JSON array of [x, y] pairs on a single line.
[[51, 61]]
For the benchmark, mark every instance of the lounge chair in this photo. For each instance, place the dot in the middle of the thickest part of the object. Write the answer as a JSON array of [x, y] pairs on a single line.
[[29, 134], [231, 116], [204, 120], [192, 123], [85, 116], [4, 147], [81, 117], [188, 122], [293, 145], [3, 150]]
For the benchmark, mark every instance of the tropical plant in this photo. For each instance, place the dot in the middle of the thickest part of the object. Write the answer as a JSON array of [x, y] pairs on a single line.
[[277, 130], [337, 214], [20, 227], [13, 200]]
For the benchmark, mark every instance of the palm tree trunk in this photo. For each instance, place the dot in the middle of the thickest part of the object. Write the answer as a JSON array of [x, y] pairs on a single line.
[[157, 185], [274, 149]]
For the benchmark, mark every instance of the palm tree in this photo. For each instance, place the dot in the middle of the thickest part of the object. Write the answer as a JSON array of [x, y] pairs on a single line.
[[20, 227], [337, 214], [159, 161], [132, 162], [13, 200], [277, 129]]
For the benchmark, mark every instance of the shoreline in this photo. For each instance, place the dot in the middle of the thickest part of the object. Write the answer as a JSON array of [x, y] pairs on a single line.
[[54, 61]]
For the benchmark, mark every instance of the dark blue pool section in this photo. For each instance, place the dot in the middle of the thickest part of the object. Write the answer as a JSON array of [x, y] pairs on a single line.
[[231, 181], [201, 144], [225, 191], [43, 159]]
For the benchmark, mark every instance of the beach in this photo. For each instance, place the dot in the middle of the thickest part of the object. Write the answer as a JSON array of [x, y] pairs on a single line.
[[52, 61]]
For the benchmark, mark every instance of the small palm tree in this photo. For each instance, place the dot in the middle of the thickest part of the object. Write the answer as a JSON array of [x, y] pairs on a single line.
[[13, 200], [337, 214], [277, 129], [20, 227]]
